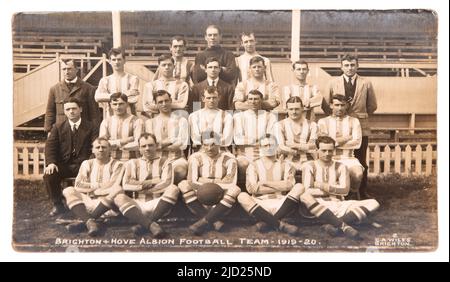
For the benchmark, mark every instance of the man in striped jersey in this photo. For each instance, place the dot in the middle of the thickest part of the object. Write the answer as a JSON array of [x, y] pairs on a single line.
[[172, 135], [272, 192], [257, 81], [326, 183], [211, 119], [346, 131], [96, 186], [296, 135], [122, 129], [249, 127], [178, 89], [150, 182], [309, 94], [210, 165], [118, 81]]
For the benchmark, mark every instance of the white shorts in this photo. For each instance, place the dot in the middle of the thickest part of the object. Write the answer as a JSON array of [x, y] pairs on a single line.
[[147, 207], [340, 208], [271, 205]]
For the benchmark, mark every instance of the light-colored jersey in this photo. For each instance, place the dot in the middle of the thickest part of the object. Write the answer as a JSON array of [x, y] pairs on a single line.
[[205, 120], [138, 170], [93, 173], [278, 171], [181, 71], [339, 127], [335, 175], [178, 89], [243, 63], [127, 84], [249, 128], [175, 129], [309, 94], [115, 128], [269, 90]]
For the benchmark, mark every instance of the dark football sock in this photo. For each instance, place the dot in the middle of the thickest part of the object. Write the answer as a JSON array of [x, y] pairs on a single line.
[[99, 210], [136, 216], [216, 213], [287, 206], [327, 216], [197, 208], [263, 215], [161, 209], [80, 212], [351, 217]]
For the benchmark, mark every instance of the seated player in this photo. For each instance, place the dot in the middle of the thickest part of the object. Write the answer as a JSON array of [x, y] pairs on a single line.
[[172, 135], [296, 135], [257, 81], [122, 129], [326, 183], [210, 165], [346, 131], [150, 182], [96, 186], [211, 118], [272, 192]]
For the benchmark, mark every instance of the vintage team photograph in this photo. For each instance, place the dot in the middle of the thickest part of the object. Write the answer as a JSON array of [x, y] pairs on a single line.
[[225, 131]]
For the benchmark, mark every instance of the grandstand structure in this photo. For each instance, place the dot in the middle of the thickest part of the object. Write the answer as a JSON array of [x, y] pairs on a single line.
[[397, 51]]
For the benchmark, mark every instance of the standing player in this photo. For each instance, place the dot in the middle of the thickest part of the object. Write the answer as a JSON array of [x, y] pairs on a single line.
[[172, 135], [178, 89], [150, 182], [96, 186], [118, 81], [122, 129], [210, 165], [248, 41], [309, 94], [326, 183], [256, 81], [272, 192], [211, 119], [346, 130]]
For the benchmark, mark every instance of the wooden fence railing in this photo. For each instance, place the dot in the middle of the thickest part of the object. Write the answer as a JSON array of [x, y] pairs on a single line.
[[383, 158]]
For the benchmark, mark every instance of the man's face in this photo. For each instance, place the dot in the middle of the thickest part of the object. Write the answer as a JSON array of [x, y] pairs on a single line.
[[349, 67], [268, 147], [258, 69], [177, 48], [166, 68], [294, 110], [301, 71], [211, 100], [210, 148], [119, 107], [69, 70], [212, 37], [164, 103], [339, 108], [147, 148], [101, 149], [326, 152], [72, 111], [249, 43], [117, 62], [212, 70], [254, 101]]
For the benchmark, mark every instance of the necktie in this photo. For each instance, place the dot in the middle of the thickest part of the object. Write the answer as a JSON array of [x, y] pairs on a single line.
[[74, 138], [212, 83]]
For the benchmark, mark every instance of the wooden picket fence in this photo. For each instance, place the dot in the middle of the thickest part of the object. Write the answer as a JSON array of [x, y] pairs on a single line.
[[383, 158]]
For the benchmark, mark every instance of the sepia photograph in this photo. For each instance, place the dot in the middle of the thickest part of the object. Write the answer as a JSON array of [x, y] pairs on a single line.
[[291, 131]]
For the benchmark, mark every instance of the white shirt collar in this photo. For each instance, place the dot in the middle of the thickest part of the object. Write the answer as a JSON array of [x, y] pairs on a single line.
[[76, 123], [215, 81], [352, 78], [72, 81]]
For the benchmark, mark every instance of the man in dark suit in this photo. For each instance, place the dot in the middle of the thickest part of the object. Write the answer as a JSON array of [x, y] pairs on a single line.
[[359, 91], [226, 90], [71, 86], [68, 145]]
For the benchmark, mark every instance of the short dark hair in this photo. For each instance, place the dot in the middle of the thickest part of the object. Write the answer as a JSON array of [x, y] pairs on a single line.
[[212, 59], [256, 92], [300, 62], [211, 90], [68, 60], [211, 134], [162, 92], [72, 100], [99, 139], [164, 57], [255, 60], [116, 51], [294, 99], [178, 38], [349, 57], [324, 139], [147, 135], [213, 26], [247, 33], [118, 95], [340, 98]]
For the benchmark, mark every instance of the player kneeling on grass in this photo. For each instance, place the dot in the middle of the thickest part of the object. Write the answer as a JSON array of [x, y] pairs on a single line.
[[326, 184], [272, 192], [207, 167], [150, 182], [96, 186]]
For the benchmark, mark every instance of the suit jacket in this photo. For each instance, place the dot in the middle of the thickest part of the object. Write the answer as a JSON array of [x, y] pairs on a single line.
[[226, 91], [363, 104], [83, 91], [58, 147]]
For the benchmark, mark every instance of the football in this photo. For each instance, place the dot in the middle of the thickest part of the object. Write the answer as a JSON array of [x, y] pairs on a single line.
[[210, 194]]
